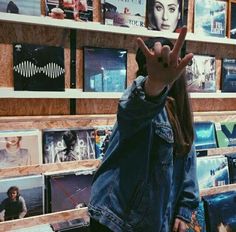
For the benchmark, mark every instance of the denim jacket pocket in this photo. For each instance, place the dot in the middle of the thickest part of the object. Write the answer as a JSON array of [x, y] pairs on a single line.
[[164, 131], [139, 204]]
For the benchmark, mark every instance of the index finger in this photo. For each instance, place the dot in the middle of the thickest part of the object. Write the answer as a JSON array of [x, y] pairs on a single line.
[[143, 47], [180, 41]]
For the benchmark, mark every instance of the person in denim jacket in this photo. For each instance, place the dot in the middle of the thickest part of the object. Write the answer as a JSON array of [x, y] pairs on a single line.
[[147, 180]]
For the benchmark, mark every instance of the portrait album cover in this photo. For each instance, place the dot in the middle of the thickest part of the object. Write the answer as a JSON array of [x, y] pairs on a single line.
[[128, 13], [78, 10], [232, 19], [105, 69], [220, 212], [210, 18], [61, 145], [198, 222], [38, 67], [31, 189], [76, 225], [166, 15], [204, 135], [37, 228], [102, 137], [212, 171], [26, 7], [201, 74], [226, 134], [66, 191], [20, 148], [232, 167], [228, 75]]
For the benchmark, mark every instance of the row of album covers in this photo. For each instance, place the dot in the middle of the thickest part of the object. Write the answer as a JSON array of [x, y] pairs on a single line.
[[41, 68], [69, 190], [211, 17]]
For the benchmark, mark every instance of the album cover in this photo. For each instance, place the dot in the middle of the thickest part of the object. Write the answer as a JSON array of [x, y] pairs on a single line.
[[210, 18], [102, 137], [232, 19], [76, 225], [66, 191], [198, 223], [229, 75], [37, 228], [232, 167], [70, 9], [212, 171], [26, 7], [201, 74], [226, 134], [168, 17], [128, 13], [28, 191], [20, 148], [105, 69], [38, 67], [220, 212], [204, 135], [61, 145]]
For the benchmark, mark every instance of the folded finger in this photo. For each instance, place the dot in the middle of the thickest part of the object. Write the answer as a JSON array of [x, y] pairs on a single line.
[[165, 54]]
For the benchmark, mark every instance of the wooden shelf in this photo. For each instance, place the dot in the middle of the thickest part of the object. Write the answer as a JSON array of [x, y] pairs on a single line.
[[98, 27], [218, 189], [79, 94]]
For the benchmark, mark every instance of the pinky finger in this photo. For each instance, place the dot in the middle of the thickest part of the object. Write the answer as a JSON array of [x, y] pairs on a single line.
[[184, 62]]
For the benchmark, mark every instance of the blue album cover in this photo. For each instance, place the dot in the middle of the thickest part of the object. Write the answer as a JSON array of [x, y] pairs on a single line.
[[212, 171], [26, 7], [226, 134], [62, 145], [201, 74], [232, 167], [232, 19], [229, 75], [204, 135], [102, 137], [220, 211], [68, 190], [198, 222], [210, 18], [38, 67], [105, 69]]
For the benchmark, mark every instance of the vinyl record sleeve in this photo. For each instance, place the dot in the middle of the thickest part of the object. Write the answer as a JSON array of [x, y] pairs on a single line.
[[201, 74], [68, 144], [26, 7], [210, 18], [31, 188], [212, 171], [220, 211], [38, 67], [20, 148], [129, 13], [229, 75], [105, 69]]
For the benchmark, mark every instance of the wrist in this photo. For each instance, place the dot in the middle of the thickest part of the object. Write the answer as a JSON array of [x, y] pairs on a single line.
[[153, 88]]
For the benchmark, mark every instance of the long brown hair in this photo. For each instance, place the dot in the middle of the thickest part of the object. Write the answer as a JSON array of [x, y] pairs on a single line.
[[177, 103]]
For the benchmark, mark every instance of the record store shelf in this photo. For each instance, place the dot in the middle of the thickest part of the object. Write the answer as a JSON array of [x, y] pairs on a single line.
[[98, 27], [79, 94]]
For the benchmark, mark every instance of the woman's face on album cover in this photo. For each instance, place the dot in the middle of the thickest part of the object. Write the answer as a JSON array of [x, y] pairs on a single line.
[[166, 14]]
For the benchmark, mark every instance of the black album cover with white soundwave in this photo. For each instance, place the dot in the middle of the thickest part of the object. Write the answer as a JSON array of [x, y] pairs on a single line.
[[38, 67]]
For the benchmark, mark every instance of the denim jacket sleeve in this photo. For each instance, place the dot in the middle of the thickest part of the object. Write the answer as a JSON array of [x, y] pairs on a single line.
[[135, 109], [189, 197]]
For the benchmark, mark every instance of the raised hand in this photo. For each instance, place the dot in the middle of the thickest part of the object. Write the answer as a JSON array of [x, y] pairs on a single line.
[[164, 65]]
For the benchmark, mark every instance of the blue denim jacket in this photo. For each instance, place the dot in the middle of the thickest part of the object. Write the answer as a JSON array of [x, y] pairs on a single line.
[[140, 185]]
